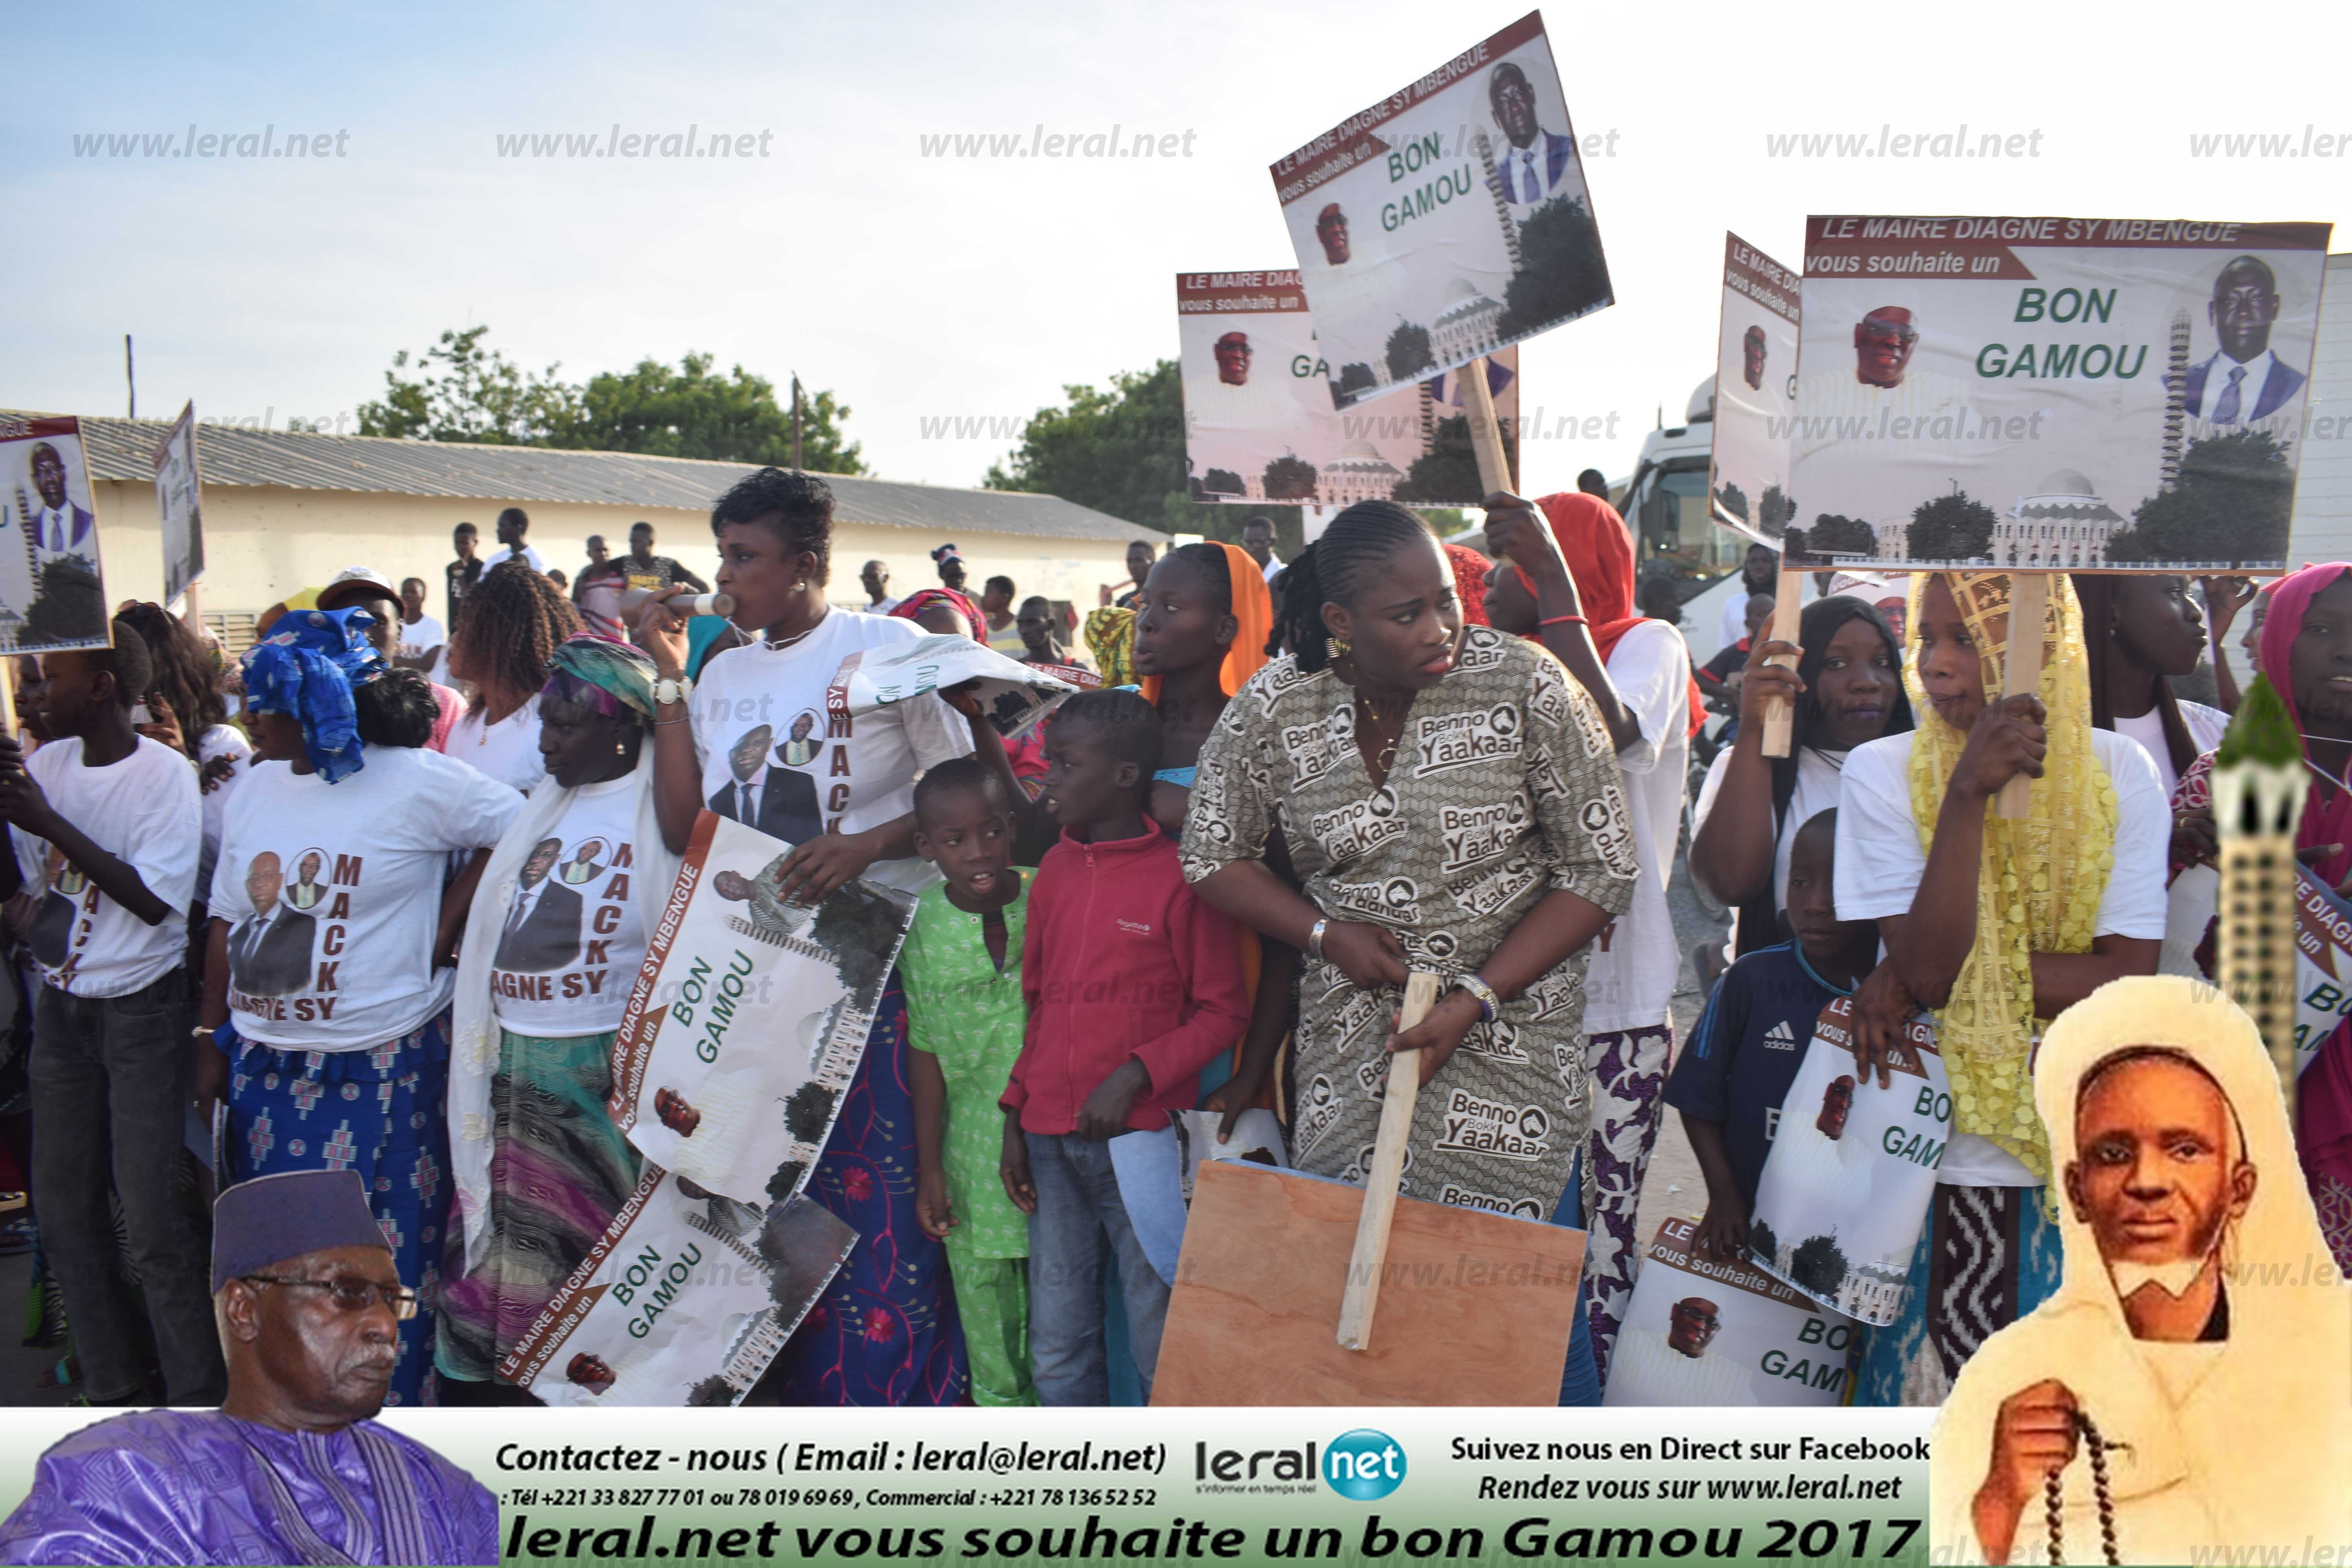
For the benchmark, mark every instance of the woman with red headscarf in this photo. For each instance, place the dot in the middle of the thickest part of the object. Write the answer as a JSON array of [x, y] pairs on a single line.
[[2306, 652], [1571, 585]]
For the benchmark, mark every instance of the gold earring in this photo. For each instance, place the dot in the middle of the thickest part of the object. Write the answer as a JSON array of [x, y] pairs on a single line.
[[619, 748], [1341, 647], [799, 587]]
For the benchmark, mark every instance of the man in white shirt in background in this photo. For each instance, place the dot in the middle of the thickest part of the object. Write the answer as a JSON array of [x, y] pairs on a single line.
[[513, 523], [1257, 538], [877, 579], [110, 1060], [421, 637]]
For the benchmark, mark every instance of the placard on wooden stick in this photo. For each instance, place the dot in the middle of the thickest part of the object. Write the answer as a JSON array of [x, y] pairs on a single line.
[[1476, 1306]]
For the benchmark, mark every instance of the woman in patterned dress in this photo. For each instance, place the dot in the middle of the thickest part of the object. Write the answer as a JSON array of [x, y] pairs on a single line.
[[1451, 803]]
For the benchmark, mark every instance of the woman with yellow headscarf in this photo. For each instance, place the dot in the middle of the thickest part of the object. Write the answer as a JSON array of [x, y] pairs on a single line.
[[1993, 925]]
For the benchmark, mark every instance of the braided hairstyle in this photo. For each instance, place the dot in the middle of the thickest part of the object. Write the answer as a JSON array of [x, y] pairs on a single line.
[[186, 675], [508, 625], [1332, 569], [1215, 570]]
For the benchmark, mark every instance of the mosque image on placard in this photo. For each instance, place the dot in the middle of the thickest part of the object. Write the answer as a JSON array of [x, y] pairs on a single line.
[[2063, 523], [1358, 473], [1465, 325]]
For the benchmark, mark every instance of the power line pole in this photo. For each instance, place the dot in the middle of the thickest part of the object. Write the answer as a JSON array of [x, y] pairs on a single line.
[[796, 422], [130, 376]]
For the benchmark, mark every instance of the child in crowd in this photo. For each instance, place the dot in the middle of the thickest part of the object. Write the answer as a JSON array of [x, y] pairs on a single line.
[[1132, 985], [961, 970], [1729, 1083]]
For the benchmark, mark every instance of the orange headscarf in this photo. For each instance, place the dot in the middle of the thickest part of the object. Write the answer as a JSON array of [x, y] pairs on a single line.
[[1253, 624], [1600, 558]]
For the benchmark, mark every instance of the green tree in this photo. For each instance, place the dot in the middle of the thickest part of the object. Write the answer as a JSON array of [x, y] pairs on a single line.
[[1954, 527], [1290, 478], [460, 391], [2232, 502], [1448, 471], [689, 412], [1733, 499], [1118, 450], [1407, 351], [1762, 1242], [68, 606], [1354, 379], [1833, 533], [1562, 271], [1774, 510], [1818, 1265]]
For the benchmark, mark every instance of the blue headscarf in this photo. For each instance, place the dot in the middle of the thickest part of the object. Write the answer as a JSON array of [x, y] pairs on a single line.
[[307, 666]]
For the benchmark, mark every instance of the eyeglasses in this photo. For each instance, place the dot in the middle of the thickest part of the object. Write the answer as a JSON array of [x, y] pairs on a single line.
[[1878, 332], [350, 1293]]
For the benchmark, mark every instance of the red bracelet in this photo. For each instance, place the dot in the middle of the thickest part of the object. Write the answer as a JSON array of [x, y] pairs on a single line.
[[1560, 620]]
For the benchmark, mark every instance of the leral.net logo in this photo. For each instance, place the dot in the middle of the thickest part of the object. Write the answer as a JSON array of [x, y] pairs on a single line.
[[1363, 1465]]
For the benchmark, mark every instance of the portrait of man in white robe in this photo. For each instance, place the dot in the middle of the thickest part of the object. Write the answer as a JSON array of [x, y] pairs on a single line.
[[2203, 1335]]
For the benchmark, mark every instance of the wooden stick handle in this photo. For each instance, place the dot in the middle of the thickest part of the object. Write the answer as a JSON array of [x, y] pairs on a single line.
[[1780, 713], [1371, 1251], [2029, 598], [1485, 431]]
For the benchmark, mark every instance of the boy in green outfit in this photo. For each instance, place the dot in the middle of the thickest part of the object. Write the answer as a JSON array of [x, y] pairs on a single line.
[[961, 970]]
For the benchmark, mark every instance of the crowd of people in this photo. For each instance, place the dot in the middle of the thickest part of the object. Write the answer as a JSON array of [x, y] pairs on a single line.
[[322, 907]]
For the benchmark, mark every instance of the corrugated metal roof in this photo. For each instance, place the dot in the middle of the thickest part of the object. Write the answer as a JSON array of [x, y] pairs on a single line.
[[299, 460]]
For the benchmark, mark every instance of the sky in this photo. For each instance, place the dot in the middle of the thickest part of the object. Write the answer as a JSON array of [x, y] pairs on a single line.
[[923, 290]]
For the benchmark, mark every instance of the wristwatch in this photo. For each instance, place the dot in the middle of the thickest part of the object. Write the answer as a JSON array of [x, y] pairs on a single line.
[[668, 690]]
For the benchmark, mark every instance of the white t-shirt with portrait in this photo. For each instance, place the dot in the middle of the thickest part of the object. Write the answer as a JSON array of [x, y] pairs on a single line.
[[572, 942], [1880, 863], [142, 811], [1630, 981], [332, 893], [813, 770], [507, 751]]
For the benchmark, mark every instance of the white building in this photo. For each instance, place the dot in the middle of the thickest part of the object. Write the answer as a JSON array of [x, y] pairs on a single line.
[[1467, 325], [1358, 473], [2065, 524]]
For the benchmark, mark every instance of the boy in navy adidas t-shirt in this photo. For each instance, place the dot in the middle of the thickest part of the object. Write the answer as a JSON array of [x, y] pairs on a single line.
[[1741, 1060]]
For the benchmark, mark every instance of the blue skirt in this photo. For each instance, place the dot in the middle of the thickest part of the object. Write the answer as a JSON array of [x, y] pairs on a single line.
[[382, 1112], [885, 1332]]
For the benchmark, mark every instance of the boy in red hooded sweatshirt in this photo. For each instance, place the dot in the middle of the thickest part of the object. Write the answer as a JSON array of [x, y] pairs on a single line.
[[1133, 986]]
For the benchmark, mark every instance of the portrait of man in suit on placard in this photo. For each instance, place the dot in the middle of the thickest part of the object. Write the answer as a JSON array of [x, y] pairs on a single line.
[[543, 928], [1537, 160], [776, 800], [56, 526], [269, 952], [2242, 380]]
